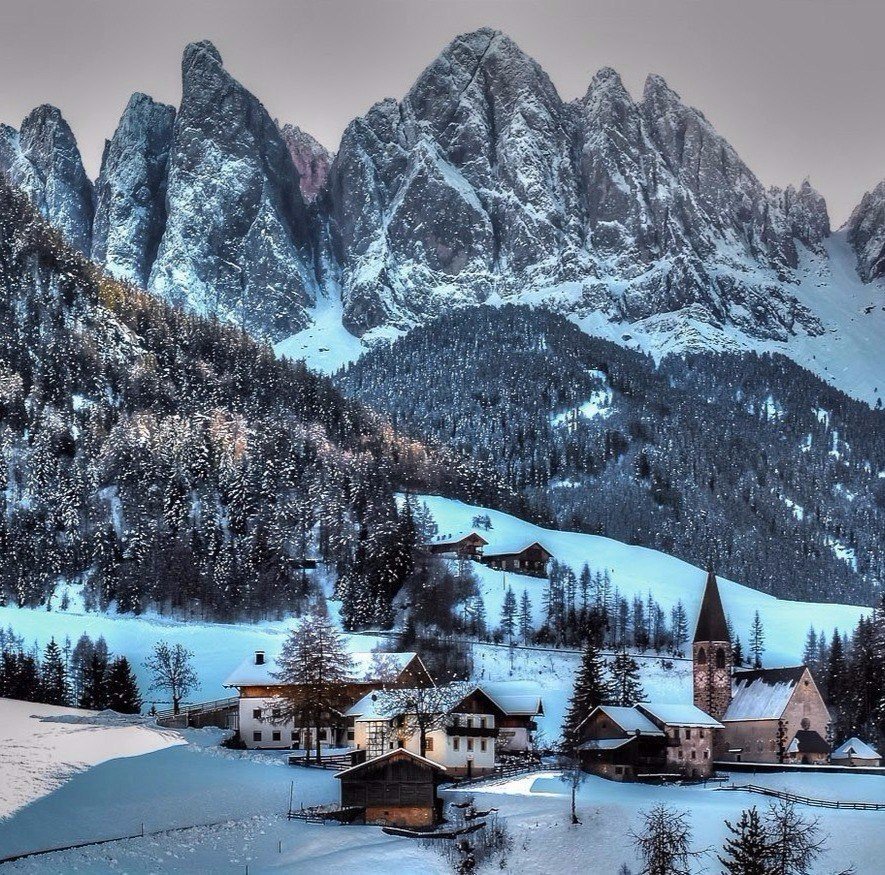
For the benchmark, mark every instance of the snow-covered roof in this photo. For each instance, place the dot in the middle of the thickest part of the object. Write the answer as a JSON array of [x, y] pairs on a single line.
[[628, 719], [808, 741], [605, 743], [762, 694], [679, 715], [368, 667], [378, 706], [446, 540], [854, 747], [397, 751], [517, 698], [509, 548]]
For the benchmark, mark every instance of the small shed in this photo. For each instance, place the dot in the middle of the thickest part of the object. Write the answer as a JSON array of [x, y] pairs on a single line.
[[855, 752], [398, 788]]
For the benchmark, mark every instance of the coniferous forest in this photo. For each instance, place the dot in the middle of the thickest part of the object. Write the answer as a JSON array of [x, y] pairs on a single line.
[[172, 462], [748, 461]]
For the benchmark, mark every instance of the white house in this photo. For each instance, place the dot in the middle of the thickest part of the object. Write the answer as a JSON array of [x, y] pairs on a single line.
[[260, 723]]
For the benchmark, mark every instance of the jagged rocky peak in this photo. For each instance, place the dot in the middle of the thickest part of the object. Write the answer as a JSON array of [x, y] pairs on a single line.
[[236, 241], [130, 214], [866, 233], [43, 159], [807, 213], [311, 158]]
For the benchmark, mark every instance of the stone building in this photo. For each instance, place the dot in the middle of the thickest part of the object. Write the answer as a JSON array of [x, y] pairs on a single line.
[[769, 715]]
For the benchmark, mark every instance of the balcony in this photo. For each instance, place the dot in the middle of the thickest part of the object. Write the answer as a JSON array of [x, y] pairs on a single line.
[[473, 731]]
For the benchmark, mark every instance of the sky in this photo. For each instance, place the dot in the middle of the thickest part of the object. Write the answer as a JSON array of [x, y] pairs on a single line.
[[795, 85]]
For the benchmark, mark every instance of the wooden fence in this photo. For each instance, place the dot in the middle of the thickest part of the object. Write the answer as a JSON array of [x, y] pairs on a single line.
[[807, 800]]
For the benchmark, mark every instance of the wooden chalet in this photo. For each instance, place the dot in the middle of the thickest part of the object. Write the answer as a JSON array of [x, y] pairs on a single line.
[[530, 559], [620, 743], [398, 788], [464, 546]]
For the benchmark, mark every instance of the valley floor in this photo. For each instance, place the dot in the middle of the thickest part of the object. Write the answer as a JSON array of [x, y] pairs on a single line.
[[236, 802]]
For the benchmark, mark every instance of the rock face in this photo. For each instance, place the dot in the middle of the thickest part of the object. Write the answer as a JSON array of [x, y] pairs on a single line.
[[483, 183], [43, 158], [866, 233], [312, 160], [130, 213], [236, 241]]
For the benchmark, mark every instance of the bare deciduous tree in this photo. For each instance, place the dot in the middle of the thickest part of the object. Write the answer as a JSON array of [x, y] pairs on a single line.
[[172, 670]]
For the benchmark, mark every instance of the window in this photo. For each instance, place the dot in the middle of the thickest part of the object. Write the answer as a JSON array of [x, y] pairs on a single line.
[[706, 754], [679, 753], [483, 745], [720, 658], [469, 722], [469, 744], [676, 733], [687, 732], [256, 713], [700, 733], [456, 720], [323, 735], [350, 735], [275, 735], [390, 746], [694, 755], [428, 745], [482, 722], [275, 713], [296, 736], [702, 656], [256, 736], [456, 743]]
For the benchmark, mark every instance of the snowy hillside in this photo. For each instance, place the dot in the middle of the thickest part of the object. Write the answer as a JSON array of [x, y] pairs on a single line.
[[638, 571]]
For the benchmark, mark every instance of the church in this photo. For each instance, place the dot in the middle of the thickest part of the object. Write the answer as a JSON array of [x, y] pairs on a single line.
[[768, 715]]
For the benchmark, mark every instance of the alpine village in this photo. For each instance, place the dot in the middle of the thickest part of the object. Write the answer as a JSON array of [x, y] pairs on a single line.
[[503, 491]]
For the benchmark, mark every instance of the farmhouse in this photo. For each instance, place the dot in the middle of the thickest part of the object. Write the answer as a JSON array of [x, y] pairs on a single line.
[[463, 545], [465, 734], [259, 693], [522, 558], [769, 715], [648, 740], [398, 788], [855, 752]]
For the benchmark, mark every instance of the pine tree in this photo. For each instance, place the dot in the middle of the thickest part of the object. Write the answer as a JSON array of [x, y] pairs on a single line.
[[54, 688], [508, 615], [591, 689], [94, 694], [122, 688], [626, 689], [757, 640], [747, 851], [525, 618]]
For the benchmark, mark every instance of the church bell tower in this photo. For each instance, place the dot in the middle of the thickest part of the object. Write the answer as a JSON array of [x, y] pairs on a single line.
[[712, 654]]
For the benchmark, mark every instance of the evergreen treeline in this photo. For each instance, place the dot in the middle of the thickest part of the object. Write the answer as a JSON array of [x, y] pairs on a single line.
[[170, 461], [849, 669], [748, 460], [86, 675]]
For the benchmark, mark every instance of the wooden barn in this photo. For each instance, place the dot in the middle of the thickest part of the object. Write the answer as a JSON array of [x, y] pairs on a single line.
[[528, 559], [398, 788], [464, 546]]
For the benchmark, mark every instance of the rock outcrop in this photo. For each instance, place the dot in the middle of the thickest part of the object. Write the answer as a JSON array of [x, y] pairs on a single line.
[[311, 158], [866, 233]]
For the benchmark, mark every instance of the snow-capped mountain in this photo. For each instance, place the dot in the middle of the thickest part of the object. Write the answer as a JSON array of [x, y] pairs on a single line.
[[633, 217]]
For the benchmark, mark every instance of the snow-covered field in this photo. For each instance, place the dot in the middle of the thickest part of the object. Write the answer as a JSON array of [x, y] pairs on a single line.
[[235, 803]]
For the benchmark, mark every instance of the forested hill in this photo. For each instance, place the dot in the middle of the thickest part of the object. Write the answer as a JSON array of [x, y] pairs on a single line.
[[170, 461], [747, 460]]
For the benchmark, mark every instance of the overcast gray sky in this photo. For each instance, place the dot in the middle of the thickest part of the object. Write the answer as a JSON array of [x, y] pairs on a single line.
[[795, 85]]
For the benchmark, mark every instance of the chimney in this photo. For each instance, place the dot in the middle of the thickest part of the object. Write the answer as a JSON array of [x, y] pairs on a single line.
[[259, 657]]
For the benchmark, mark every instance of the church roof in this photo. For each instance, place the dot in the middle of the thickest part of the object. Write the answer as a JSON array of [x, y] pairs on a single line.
[[762, 693], [711, 619]]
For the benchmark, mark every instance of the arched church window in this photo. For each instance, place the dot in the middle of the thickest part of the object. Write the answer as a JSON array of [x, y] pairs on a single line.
[[702, 656], [720, 658]]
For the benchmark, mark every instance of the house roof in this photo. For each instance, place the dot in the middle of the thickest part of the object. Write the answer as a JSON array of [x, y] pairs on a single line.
[[396, 752], [605, 743], [855, 747], [628, 719], [516, 698], [762, 693], [368, 667], [376, 705], [452, 540], [679, 715], [712, 625], [808, 741], [511, 548]]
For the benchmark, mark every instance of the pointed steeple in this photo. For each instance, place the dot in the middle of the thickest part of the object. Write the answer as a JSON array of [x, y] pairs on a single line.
[[712, 625]]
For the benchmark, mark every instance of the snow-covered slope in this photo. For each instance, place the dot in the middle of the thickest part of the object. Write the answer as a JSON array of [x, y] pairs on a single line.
[[638, 571]]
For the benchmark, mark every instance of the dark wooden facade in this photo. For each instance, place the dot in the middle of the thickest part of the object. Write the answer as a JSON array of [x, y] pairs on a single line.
[[531, 560], [608, 750], [468, 547], [396, 789]]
